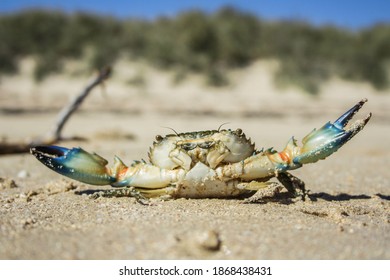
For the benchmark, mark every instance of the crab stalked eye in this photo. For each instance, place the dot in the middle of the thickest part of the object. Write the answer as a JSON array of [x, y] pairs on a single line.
[[206, 144], [159, 138], [189, 146], [238, 131]]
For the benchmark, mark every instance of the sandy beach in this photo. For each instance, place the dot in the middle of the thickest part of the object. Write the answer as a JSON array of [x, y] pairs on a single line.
[[46, 216]]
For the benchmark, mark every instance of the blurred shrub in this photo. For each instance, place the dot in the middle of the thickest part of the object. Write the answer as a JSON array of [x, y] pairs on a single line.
[[45, 65], [238, 37], [371, 60], [197, 42]]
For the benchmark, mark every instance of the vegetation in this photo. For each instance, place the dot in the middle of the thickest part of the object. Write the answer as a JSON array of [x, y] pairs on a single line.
[[197, 42]]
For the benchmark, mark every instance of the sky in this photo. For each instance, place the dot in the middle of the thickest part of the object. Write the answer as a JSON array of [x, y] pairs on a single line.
[[353, 14]]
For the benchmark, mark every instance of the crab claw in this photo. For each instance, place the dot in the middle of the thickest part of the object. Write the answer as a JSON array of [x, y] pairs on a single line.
[[323, 142], [74, 163]]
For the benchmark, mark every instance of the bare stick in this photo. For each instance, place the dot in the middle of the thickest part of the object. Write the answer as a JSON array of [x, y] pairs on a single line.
[[54, 135], [14, 148]]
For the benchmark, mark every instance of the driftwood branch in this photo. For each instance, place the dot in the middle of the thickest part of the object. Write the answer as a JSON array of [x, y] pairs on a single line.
[[55, 134]]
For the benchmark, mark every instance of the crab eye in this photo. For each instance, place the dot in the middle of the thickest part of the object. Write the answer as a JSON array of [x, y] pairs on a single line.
[[188, 146], [238, 131], [206, 145], [159, 138]]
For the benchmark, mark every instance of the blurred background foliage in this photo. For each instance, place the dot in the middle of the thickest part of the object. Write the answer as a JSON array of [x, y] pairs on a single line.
[[198, 42]]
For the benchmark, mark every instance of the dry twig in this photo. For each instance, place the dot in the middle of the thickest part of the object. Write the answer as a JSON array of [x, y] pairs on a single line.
[[54, 135]]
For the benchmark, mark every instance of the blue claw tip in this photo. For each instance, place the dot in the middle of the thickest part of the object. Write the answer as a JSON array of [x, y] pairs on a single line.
[[53, 157], [343, 120]]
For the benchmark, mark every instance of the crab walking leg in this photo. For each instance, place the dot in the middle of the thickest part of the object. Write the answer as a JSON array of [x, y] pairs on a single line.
[[317, 145], [294, 185]]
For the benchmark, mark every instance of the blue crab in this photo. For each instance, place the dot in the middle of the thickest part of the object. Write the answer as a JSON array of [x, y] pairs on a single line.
[[214, 163]]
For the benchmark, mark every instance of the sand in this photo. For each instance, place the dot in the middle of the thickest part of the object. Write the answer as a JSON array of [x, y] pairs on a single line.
[[46, 216]]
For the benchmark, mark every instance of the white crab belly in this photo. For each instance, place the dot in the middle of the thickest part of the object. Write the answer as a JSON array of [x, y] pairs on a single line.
[[202, 181]]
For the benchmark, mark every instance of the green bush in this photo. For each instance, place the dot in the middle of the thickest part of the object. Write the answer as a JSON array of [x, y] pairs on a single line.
[[194, 41]]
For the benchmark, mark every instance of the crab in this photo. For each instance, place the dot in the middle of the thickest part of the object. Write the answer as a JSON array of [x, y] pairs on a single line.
[[206, 164]]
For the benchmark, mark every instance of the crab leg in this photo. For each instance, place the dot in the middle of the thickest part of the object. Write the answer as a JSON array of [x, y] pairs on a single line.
[[91, 169], [321, 143], [317, 145], [75, 163]]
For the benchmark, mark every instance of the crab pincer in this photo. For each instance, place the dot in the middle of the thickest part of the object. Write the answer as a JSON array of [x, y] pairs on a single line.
[[74, 163], [323, 142]]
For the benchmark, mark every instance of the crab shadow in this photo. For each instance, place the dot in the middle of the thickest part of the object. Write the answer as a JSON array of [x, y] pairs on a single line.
[[382, 196], [338, 197], [281, 198], [286, 198]]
